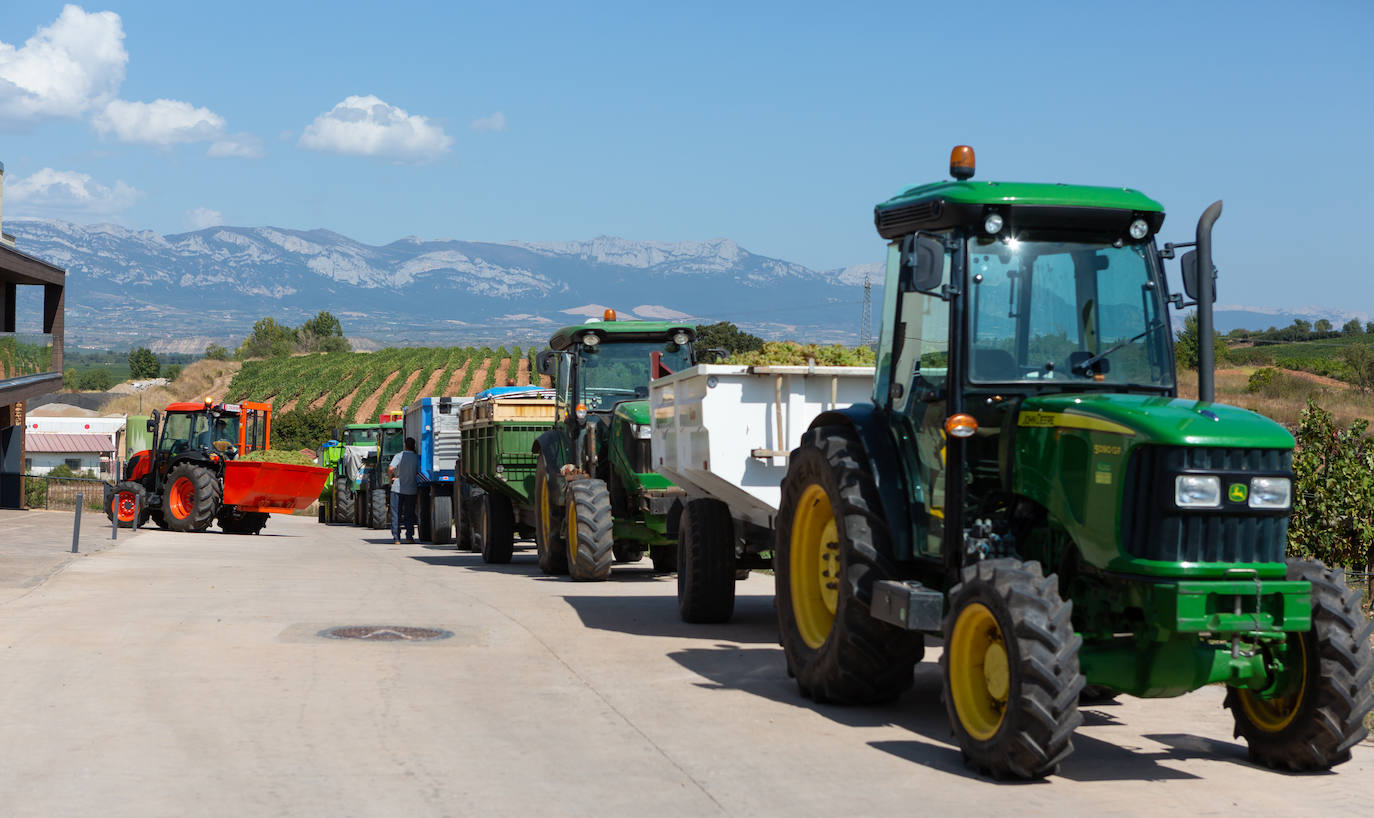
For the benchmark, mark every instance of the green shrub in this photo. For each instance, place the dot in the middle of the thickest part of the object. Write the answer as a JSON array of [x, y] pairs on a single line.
[[1260, 380], [35, 492]]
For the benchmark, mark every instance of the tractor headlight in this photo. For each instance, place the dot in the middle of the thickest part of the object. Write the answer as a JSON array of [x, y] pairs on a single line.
[[591, 339], [1271, 492], [642, 431], [1139, 229], [992, 225], [681, 339], [1197, 491]]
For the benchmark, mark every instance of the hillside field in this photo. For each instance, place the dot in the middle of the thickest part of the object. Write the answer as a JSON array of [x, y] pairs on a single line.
[[362, 384]]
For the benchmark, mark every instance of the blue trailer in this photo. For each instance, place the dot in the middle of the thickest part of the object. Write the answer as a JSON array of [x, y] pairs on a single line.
[[433, 422]]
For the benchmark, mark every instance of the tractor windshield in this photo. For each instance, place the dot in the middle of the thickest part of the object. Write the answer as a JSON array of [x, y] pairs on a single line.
[[611, 372], [1066, 312], [360, 437], [198, 430]]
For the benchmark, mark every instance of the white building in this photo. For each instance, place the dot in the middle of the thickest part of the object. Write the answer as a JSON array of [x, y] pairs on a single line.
[[79, 441]]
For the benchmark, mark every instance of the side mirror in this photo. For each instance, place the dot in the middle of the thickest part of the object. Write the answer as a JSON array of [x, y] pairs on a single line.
[[922, 263], [546, 362], [152, 425], [1189, 263]]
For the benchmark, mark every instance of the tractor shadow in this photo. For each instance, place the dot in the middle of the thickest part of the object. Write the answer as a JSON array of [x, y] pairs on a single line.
[[656, 615]]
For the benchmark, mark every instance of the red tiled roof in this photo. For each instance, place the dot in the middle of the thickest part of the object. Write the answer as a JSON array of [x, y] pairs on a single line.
[[58, 443]]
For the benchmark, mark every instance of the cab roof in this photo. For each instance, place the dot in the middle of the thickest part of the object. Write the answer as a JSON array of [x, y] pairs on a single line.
[[619, 330]]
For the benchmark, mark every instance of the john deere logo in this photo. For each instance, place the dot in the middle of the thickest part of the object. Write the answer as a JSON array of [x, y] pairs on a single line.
[[1237, 492]]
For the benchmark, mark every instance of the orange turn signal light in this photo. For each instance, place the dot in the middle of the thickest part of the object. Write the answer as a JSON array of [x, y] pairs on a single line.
[[960, 425], [961, 163], [581, 411], [608, 315], [208, 401]]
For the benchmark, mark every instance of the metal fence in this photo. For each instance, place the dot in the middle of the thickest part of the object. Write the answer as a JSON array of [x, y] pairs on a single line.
[[41, 491]]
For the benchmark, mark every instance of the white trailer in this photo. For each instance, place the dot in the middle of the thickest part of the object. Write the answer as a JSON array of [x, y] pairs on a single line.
[[723, 433]]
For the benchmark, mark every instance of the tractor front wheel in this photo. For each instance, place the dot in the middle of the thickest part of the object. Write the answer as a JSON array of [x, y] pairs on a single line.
[[1318, 713], [496, 528], [129, 498], [343, 501], [377, 514], [553, 552], [588, 510], [191, 499], [1011, 678], [831, 546]]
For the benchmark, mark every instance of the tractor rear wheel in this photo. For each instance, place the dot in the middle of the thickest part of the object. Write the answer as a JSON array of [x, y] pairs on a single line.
[[191, 499], [831, 546], [1011, 678], [496, 528], [1313, 723], [548, 537], [343, 501], [378, 515], [127, 499], [588, 508], [706, 562]]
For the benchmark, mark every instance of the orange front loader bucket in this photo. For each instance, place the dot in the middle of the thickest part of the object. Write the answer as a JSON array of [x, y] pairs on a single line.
[[275, 487]]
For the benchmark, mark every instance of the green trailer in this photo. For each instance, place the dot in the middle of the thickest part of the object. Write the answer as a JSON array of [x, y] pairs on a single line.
[[497, 468]]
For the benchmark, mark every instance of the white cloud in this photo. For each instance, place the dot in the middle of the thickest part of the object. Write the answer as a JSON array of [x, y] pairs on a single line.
[[489, 124], [367, 126], [161, 123], [68, 194], [64, 69], [239, 146], [203, 217]]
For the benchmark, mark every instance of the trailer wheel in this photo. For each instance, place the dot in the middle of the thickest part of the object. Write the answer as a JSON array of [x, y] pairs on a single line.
[[1011, 678], [343, 501], [496, 528], [588, 509], [1318, 714], [831, 545], [127, 497], [233, 521], [424, 521], [706, 562], [548, 539], [191, 499], [441, 519], [377, 516]]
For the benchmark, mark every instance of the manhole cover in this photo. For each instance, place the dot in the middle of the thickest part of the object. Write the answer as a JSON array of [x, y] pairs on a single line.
[[385, 633]]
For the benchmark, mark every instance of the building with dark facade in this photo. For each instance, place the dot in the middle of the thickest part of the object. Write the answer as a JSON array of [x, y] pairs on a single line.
[[32, 299]]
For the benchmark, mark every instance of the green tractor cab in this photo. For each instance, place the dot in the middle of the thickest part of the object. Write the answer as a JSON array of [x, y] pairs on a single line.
[[374, 499], [597, 498], [1027, 485], [344, 456]]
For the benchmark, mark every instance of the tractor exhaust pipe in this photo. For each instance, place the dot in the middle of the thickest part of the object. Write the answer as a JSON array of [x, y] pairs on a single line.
[[1206, 354]]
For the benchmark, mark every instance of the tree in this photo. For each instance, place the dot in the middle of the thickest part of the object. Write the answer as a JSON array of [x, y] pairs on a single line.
[[97, 379], [173, 372], [323, 333], [1322, 325], [1185, 344], [725, 335], [215, 352], [1301, 327], [304, 428], [70, 379], [268, 340], [1360, 359], [1369, 328], [1352, 327], [143, 364]]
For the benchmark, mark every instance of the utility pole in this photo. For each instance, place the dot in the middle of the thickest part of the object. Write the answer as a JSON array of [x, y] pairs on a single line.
[[866, 319]]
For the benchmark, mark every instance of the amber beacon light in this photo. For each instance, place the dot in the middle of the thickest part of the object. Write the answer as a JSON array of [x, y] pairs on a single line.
[[961, 162], [960, 425]]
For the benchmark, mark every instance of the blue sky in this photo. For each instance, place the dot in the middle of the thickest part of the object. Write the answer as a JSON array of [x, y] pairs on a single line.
[[777, 125]]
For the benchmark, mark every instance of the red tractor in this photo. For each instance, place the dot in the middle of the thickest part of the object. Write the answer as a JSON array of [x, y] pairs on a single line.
[[194, 474]]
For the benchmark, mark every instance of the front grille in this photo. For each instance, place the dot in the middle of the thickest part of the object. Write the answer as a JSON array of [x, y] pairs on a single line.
[[1153, 528]]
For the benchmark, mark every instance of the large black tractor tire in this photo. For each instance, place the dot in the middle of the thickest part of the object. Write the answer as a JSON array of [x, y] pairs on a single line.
[[1316, 724], [361, 506], [495, 528], [664, 558], [424, 523], [831, 546], [1011, 677], [378, 513], [192, 497], [441, 519], [344, 498], [548, 526], [127, 500], [233, 521], [588, 510], [706, 563]]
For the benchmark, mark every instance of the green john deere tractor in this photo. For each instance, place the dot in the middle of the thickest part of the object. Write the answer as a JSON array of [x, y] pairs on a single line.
[[374, 500], [339, 499], [1028, 486], [597, 498]]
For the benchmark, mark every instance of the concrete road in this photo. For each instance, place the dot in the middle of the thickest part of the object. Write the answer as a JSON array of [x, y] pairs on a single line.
[[183, 675]]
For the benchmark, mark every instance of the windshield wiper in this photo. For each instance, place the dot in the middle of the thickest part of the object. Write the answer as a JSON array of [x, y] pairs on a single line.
[[1083, 366]]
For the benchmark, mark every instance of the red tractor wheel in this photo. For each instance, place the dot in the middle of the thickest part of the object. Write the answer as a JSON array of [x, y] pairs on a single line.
[[192, 498], [127, 499]]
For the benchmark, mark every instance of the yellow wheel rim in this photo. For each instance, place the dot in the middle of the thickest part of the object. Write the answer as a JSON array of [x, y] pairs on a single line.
[[545, 517], [979, 673], [1274, 714], [571, 512], [814, 564]]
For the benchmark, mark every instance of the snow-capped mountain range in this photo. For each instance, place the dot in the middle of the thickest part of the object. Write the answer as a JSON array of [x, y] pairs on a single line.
[[137, 286]]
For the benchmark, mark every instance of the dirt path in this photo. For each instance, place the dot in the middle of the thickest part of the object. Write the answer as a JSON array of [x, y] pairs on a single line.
[[369, 407], [455, 381], [522, 372], [501, 369], [433, 383], [1297, 373], [479, 377]]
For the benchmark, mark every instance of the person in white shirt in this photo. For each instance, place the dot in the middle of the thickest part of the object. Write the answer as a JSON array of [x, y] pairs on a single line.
[[404, 473]]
